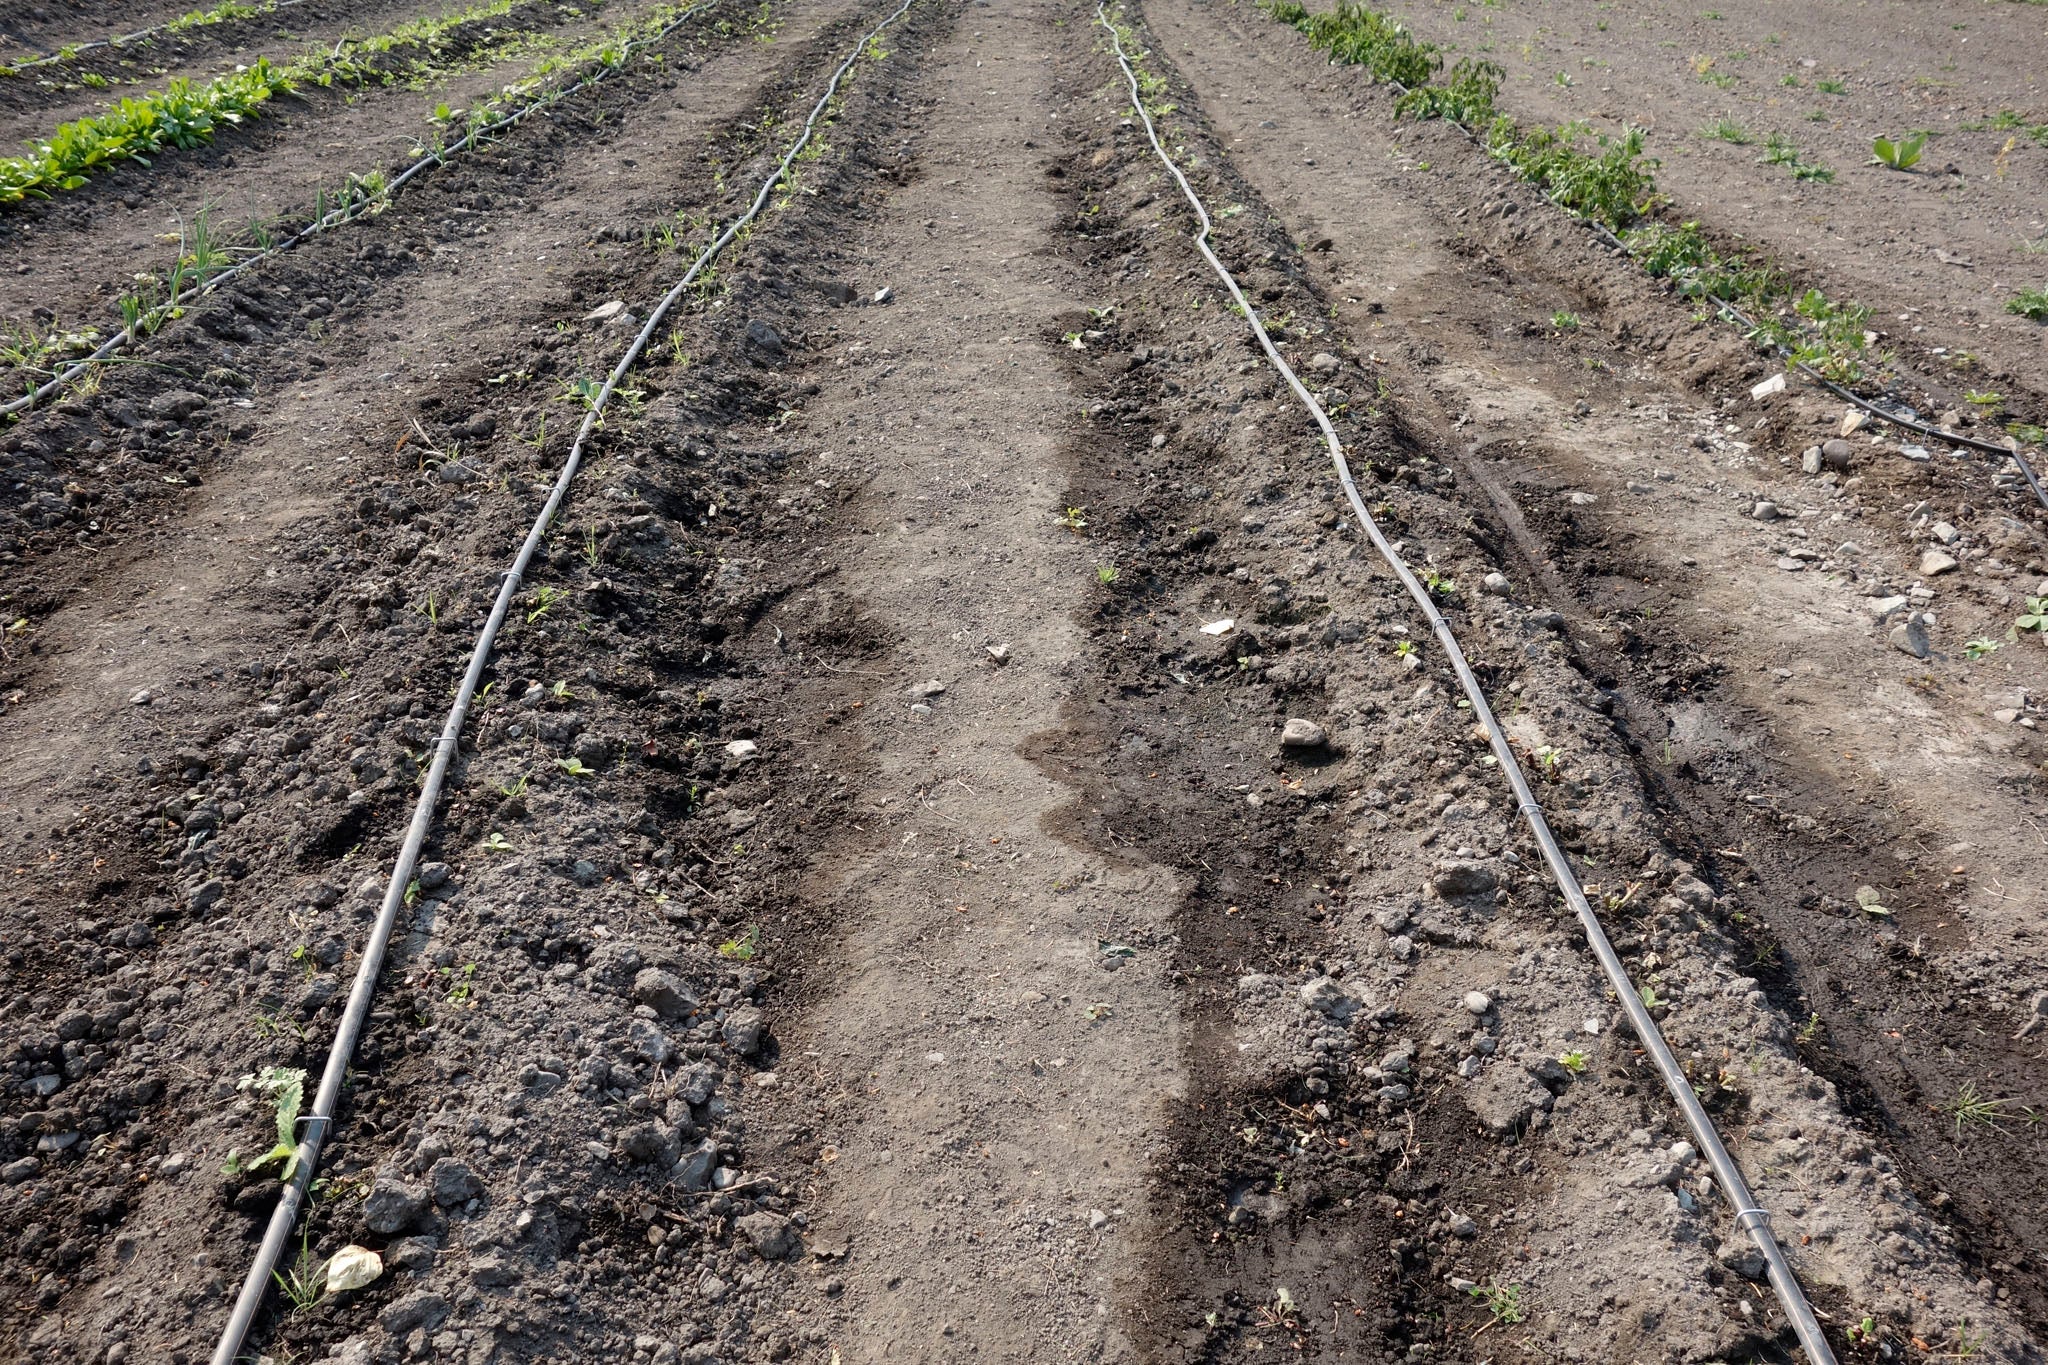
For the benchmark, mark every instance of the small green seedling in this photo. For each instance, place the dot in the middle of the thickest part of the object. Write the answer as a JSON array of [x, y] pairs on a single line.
[[1547, 758], [1872, 903], [560, 691], [1982, 399], [1073, 519], [574, 767], [1503, 1301], [1971, 1108], [285, 1088], [304, 1286], [544, 597], [1901, 155], [1978, 648], [498, 843], [1564, 321], [1651, 1000], [742, 948], [1574, 1062], [1106, 574], [2031, 304], [2034, 618], [1404, 648]]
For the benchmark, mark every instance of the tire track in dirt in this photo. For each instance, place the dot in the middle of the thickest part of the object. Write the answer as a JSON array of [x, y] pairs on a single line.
[[403, 1072], [1665, 1286], [1834, 820], [984, 1077]]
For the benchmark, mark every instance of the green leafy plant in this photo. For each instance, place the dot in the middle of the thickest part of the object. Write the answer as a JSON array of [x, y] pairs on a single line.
[[1465, 96], [1611, 184], [1970, 1108], [1564, 321], [284, 1088], [1502, 1301], [2034, 618], [574, 767], [1651, 1000], [1073, 519], [2031, 304], [1106, 574], [743, 947], [1902, 154], [497, 843], [1974, 650], [1574, 1062], [1728, 130], [1832, 87], [304, 1282], [544, 599]]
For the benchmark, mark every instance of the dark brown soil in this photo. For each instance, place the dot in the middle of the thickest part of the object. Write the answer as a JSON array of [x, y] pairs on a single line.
[[1024, 999]]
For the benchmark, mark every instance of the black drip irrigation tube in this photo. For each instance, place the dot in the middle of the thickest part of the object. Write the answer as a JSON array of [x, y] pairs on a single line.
[[306, 1156], [348, 213], [124, 39], [1749, 1216], [1736, 315]]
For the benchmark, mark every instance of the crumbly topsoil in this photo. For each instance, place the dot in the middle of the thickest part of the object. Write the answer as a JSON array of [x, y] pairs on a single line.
[[874, 916]]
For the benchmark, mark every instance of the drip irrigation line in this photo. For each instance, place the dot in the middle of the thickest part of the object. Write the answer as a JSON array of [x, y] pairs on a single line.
[[1919, 428], [318, 1121], [1748, 1215], [1729, 310], [347, 213], [124, 39]]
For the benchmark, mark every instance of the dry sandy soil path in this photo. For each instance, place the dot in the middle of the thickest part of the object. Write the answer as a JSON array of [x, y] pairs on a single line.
[[873, 916]]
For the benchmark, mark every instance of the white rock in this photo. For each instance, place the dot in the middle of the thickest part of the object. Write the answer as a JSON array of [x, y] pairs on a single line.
[[743, 750], [1303, 734], [605, 310], [1477, 1002]]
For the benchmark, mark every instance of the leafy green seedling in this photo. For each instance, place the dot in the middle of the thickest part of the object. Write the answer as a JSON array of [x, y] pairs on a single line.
[[1073, 519], [743, 947], [1901, 155], [498, 843], [1574, 1062], [1978, 648], [2034, 618], [285, 1088], [1106, 574], [573, 766], [2031, 304], [1564, 321]]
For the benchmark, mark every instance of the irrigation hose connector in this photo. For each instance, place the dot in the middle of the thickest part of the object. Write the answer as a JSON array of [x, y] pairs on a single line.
[[1726, 1173], [256, 1285]]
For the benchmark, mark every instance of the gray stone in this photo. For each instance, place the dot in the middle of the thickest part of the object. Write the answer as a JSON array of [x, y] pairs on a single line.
[[1303, 734], [1328, 996], [1461, 877], [1463, 1226], [1945, 533], [14, 1172], [391, 1207], [1883, 607], [663, 992], [1765, 511], [176, 405], [1495, 584], [1910, 637], [743, 1030], [452, 1182], [73, 1025], [693, 1169], [1477, 1003], [434, 876], [1809, 460], [771, 1234], [420, 1309], [1837, 454], [764, 338], [1933, 561]]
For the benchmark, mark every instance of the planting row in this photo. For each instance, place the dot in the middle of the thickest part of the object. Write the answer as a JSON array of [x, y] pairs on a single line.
[[1609, 181]]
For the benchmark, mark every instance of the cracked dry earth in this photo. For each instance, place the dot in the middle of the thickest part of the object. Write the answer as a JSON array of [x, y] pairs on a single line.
[[873, 916]]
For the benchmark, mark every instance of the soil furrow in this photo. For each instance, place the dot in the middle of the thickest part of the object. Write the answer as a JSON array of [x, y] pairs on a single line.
[[43, 97], [74, 256], [255, 921]]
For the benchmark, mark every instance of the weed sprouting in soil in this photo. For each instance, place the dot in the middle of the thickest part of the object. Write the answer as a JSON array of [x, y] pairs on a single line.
[[2031, 304], [1900, 154], [1971, 1108]]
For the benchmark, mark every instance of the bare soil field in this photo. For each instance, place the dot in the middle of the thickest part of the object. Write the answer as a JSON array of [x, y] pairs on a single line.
[[961, 848]]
